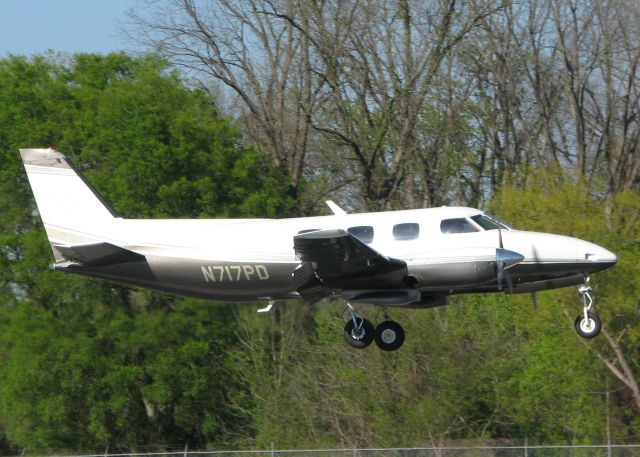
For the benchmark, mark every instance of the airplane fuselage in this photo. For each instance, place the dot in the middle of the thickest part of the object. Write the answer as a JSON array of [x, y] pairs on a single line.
[[252, 260]]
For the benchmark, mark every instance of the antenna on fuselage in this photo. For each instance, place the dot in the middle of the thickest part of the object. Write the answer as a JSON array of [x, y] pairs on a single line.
[[335, 209]]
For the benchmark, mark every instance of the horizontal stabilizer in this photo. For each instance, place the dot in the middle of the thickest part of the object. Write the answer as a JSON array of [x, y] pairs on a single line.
[[97, 254]]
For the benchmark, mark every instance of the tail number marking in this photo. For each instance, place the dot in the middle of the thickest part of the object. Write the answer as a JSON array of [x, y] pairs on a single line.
[[233, 273]]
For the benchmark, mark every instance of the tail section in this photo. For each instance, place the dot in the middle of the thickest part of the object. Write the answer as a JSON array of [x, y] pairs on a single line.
[[71, 210]]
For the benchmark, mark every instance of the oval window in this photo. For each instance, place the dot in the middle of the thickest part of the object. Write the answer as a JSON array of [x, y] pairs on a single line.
[[363, 232], [408, 231]]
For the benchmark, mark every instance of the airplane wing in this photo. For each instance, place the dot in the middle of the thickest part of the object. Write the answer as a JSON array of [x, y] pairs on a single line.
[[97, 254], [341, 261]]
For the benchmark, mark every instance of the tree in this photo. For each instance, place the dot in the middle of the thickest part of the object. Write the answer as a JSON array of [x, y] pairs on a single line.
[[530, 108], [91, 365], [358, 76], [264, 63], [570, 208]]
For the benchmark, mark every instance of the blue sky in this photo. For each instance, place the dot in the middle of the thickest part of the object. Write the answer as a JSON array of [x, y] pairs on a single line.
[[35, 26]]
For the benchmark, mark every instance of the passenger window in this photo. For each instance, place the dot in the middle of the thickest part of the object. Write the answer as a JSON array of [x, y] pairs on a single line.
[[408, 231], [363, 232], [459, 225]]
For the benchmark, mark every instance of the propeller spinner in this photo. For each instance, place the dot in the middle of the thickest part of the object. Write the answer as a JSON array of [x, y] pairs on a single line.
[[505, 259]]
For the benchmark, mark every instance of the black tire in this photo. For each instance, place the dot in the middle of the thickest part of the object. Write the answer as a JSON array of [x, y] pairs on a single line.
[[359, 340], [389, 336], [585, 331]]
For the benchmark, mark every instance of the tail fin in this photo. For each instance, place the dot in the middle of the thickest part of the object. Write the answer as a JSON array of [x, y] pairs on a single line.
[[70, 208]]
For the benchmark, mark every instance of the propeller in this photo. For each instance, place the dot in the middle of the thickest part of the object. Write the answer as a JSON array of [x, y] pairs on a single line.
[[505, 259]]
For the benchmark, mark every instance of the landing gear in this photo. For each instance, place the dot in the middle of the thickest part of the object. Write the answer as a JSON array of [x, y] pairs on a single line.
[[389, 336], [358, 331], [587, 324], [588, 327]]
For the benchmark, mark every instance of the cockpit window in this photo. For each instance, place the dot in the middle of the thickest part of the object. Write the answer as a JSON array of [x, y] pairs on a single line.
[[489, 222], [408, 231], [363, 232], [485, 222], [458, 225], [502, 223]]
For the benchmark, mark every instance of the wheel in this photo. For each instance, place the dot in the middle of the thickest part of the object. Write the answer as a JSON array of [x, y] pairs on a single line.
[[389, 336], [359, 339], [588, 329]]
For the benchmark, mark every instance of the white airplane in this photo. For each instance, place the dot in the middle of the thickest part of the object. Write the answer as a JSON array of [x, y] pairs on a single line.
[[412, 259]]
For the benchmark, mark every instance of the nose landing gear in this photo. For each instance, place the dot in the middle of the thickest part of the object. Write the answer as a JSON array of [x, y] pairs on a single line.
[[587, 324]]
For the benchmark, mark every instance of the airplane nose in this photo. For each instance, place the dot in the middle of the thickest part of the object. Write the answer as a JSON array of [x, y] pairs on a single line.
[[600, 256]]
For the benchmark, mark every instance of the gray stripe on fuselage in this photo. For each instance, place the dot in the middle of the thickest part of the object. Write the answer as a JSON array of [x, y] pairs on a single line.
[[229, 281]]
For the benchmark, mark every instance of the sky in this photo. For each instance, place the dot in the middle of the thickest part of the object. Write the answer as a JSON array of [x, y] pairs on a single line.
[[34, 26]]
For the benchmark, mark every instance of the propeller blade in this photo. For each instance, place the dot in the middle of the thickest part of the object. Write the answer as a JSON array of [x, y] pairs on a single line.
[[509, 281]]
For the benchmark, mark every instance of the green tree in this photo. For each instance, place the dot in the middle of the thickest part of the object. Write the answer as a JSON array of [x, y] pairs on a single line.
[[572, 208], [90, 365]]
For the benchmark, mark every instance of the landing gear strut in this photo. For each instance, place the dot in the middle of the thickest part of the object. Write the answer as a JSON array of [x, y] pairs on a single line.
[[587, 324], [358, 331]]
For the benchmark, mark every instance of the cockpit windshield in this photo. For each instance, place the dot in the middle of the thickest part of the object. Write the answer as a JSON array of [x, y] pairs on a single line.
[[457, 225], [488, 222]]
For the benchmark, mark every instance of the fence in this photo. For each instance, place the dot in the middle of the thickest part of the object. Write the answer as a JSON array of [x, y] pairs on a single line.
[[504, 451]]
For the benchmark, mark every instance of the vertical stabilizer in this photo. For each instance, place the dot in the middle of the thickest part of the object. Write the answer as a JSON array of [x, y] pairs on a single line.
[[70, 208]]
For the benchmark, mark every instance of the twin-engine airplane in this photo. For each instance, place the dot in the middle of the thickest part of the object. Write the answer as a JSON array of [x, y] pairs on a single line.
[[412, 259]]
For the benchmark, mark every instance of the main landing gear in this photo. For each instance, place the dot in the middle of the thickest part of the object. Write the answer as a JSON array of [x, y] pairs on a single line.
[[360, 333], [587, 324]]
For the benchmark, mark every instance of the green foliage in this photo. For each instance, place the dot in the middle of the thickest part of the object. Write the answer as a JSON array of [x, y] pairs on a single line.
[[570, 207], [86, 365]]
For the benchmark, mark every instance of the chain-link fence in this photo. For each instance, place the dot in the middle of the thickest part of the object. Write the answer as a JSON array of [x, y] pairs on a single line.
[[505, 451]]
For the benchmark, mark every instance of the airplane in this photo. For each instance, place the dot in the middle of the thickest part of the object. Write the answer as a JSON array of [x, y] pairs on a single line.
[[394, 259]]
